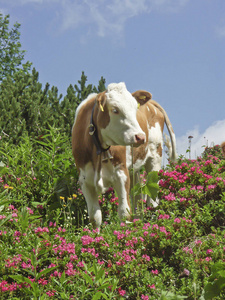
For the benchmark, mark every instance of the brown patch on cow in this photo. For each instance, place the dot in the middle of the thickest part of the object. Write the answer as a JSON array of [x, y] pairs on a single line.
[[82, 144], [102, 113], [223, 148], [81, 140], [159, 150], [142, 96]]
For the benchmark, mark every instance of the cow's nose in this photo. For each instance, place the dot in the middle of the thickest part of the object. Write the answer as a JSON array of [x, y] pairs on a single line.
[[139, 139]]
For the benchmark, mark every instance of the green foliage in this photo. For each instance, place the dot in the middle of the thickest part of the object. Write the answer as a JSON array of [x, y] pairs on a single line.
[[26, 107], [41, 173], [149, 187], [47, 247], [11, 55], [216, 282], [212, 151], [48, 251]]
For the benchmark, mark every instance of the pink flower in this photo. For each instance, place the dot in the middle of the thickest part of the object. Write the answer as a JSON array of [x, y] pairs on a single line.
[[121, 292], [208, 258], [164, 216], [146, 257], [211, 187], [152, 286], [50, 293], [198, 242], [86, 240], [188, 250], [43, 281], [155, 272], [80, 264], [30, 211], [177, 220], [209, 251], [143, 297], [170, 197]]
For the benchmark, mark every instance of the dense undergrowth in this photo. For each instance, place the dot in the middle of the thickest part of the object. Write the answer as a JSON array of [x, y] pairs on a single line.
[[48, 249]]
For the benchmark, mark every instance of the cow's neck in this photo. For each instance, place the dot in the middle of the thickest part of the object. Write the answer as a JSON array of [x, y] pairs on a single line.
[[93, 131]]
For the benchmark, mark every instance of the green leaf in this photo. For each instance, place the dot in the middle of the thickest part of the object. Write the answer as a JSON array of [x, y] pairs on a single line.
[[87, 278], [44, 272], [22, 279], [99, 295]]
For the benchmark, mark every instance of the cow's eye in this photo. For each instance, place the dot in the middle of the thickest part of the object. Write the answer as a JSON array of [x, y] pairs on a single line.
[[115, 111]]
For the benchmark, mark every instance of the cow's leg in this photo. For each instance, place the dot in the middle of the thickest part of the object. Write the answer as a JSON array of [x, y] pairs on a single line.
[[87, 184], [94, 211], [122, 187]]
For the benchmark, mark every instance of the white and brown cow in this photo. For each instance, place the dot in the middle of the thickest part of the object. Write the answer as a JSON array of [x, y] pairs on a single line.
[[106, 126]]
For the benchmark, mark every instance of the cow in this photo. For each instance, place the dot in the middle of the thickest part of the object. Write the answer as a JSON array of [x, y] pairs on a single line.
[[223, 148], [106, 127]]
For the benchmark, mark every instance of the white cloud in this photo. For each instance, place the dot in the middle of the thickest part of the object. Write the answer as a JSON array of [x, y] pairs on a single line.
[[103, 17], [213, 135]]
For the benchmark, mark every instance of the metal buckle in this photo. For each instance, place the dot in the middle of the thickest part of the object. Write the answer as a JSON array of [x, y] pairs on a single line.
[[91, 129]]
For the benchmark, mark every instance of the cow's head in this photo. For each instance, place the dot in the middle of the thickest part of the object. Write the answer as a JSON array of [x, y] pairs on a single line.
[[117, 117]]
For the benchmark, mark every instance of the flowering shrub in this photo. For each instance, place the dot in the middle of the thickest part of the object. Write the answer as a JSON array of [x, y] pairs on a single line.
[[173, 252]]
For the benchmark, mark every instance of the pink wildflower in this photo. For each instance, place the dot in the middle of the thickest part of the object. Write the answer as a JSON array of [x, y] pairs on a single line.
[[152, 286], [208, 258], [121, 292], [209, 251], [80, 264], [146, 257], [177, 220], [198, 242], [50, 293]]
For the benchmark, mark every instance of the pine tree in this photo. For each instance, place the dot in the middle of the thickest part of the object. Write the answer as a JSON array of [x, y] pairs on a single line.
[[11, 55], [26, 108], [73, 98]]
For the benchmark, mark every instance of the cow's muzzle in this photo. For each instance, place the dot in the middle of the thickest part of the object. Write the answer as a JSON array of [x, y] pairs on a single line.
[[139, 139]]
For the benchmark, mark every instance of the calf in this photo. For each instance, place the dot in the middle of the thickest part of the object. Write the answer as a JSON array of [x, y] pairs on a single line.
[[223, 148], [106, 127]]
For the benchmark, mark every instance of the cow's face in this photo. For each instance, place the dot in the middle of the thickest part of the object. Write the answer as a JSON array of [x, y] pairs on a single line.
[[122, 126]]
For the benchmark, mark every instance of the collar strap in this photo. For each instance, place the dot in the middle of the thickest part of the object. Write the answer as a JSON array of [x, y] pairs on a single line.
[[94, 134]]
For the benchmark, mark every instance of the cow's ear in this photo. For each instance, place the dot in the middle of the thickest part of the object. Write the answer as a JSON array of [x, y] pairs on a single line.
[[142, 96], [101, 100]]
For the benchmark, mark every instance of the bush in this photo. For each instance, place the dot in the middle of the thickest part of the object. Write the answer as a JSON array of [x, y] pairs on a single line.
[[48, 249]]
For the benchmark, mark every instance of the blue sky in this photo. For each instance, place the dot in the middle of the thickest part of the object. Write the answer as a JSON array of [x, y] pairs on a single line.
[[173, 48]]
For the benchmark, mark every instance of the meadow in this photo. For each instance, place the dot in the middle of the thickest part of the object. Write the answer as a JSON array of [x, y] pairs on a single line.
[[48, 249]]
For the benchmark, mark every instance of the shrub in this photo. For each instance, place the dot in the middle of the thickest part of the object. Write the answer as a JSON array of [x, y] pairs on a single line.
[[49, 251]]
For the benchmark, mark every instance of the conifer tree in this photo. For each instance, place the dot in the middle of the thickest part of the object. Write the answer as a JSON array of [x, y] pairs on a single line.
[[26, 108], [73, 98], [11, 55]]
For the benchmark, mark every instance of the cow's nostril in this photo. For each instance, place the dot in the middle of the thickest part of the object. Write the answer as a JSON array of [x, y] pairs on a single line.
[[140, 138]]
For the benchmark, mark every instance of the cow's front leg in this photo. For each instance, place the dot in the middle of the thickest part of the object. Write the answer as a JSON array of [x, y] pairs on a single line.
[[122, 187], [94, 211]]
